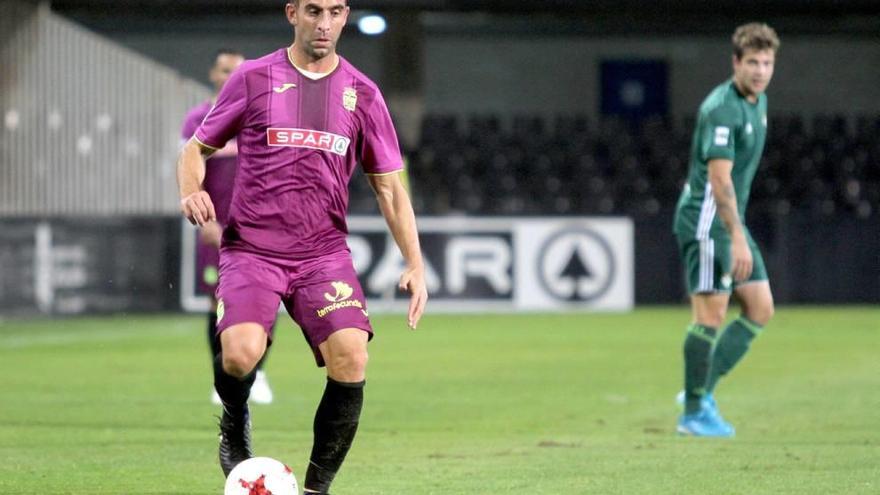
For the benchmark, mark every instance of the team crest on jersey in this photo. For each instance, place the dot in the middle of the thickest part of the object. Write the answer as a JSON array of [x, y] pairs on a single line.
[[349, 99], [308, 138]]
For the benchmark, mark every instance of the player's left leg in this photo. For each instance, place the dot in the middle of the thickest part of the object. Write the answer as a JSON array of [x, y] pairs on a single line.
[[756, 301], [329, 305], [338, 414]]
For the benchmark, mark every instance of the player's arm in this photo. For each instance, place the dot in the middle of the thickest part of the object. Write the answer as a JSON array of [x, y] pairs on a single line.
[[195, 203], [210, 232], [395, 205], [725, 201], [220, 125]]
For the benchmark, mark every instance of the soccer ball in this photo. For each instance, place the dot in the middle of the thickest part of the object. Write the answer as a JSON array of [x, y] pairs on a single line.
[[261, 476]]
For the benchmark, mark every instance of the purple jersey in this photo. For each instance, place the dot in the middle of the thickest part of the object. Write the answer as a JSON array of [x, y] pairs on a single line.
[[219, 169], [298, 141]]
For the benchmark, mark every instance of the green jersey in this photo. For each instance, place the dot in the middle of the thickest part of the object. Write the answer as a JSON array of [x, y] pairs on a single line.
[[728, 127]]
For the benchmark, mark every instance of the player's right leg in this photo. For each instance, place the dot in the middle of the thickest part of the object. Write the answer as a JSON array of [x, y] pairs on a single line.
[[709, 287], [243, 345], [207, 263], [261, 392], [701, 416], [248, 298]]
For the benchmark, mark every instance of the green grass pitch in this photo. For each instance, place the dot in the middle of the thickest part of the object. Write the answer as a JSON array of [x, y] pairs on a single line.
[[472, 404]]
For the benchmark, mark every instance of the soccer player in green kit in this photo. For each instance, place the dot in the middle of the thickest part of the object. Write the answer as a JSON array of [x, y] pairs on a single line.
[[719, 254]]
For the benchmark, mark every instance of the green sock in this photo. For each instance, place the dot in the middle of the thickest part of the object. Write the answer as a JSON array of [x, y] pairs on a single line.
[[697, 360], [732, 346]]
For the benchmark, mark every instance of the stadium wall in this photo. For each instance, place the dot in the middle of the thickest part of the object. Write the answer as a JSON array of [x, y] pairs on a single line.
[[188, 46], [471, 70], [552, 75], [89, 127], [113, 265]]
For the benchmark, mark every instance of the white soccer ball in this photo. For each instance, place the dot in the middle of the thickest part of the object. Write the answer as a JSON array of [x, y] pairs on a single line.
[[261, 476]]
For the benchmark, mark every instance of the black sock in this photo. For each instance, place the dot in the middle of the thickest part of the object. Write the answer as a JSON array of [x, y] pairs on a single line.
[[697, 360], [336, 422], [233, 392], [213, 338]]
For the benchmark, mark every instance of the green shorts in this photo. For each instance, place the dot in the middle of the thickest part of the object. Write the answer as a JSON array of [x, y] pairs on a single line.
[[707, 263]]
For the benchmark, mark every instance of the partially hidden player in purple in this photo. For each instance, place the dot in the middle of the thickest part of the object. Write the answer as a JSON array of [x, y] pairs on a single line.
[[219, 178], [303, 117]]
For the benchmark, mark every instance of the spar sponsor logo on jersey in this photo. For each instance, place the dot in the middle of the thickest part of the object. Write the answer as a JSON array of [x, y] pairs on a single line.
[[308, 138]]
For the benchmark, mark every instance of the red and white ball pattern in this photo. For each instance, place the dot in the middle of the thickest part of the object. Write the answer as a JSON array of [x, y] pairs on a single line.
[[261, 476]]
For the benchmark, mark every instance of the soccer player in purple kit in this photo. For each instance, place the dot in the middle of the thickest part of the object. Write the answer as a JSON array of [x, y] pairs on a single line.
[[219, 177], [303, 117]]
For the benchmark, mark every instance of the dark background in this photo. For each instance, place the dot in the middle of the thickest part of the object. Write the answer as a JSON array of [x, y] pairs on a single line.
[[515, 108]]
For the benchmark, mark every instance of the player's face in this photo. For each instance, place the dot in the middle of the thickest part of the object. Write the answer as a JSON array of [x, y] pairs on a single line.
[[224, 66], [318, 25], [753, 71]]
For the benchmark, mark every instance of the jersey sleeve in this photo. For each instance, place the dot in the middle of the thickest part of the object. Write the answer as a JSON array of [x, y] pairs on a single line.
[[379, 151], [719, 133], [189, 127], [225, 119]]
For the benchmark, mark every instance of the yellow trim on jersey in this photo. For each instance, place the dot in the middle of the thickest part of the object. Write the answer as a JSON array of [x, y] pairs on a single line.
[[212, 149], [404, 175], [385, 173]]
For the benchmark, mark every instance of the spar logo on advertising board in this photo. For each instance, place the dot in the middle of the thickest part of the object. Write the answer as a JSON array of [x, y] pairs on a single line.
[[474, 264], [480, 264], [308, 138], [576, 264]]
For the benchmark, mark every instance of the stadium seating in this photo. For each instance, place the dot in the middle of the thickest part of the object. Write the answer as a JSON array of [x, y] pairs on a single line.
[[566, 165]]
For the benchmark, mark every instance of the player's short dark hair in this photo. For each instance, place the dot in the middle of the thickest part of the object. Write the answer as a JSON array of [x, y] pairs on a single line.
[[295, 3], [754, 36]]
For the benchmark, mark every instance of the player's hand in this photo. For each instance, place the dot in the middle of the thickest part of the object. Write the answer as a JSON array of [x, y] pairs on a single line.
[[413, 281], [210, 234], [741, 259], [198, 208]]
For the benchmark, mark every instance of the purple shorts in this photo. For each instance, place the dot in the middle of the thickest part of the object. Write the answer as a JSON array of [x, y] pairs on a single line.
[[321, 294], [207, 271]]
